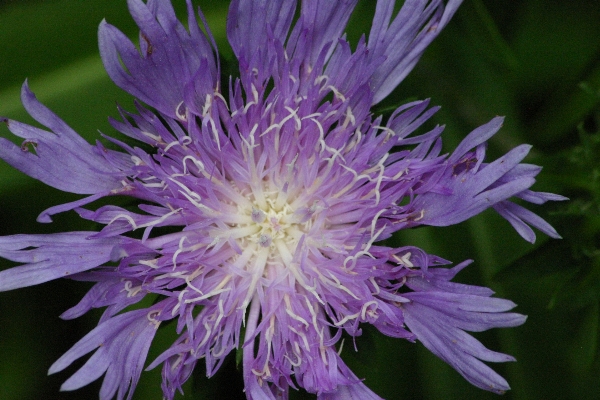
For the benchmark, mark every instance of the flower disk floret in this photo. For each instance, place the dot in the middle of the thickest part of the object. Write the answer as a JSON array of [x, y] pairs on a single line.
[[277, 192]]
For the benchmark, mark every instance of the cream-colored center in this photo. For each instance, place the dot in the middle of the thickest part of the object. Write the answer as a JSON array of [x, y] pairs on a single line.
[[271, 226]]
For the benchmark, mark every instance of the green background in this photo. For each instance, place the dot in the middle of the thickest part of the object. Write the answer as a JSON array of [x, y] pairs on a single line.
[[536, 62]]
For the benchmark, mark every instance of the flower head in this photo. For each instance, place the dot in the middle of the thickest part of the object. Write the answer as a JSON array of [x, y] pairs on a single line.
[[278, 191]]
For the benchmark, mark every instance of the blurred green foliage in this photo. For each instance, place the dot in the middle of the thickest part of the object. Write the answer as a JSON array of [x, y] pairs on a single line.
[[536, 62]]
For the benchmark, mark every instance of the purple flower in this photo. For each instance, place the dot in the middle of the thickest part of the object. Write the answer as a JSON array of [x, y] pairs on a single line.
[[278, 190]]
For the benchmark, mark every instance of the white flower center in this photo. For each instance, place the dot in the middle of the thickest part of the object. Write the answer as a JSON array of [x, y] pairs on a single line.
[[271, 227], [267, 232]]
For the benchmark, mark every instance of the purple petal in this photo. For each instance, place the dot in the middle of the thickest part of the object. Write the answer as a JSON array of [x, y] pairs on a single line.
[[459, 302], [248, 26], [402, 42], [437, 338], [171, 56], [122, 344], [320, 25], [263, 213], [358, 391], [97, 292], [60, 158], [55, 256], [46, 215], [476, 137], [520, 218]]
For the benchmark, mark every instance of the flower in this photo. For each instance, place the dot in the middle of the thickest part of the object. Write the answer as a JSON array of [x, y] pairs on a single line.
[[277, 192]]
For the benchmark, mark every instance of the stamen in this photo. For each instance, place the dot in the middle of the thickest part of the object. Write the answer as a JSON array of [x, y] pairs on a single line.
[[265, 240], [339, 352], [152, 318], [303, 336], [404, 260], [364, 309], [181, 111], [196, 162], [288, 310], [151, 136], [217, 290], [178, 251], [337, 93], [346, 319], [258, 216]]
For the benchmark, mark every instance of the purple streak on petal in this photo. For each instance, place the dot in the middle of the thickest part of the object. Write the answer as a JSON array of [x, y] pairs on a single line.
[[44, 116], [462, 204]]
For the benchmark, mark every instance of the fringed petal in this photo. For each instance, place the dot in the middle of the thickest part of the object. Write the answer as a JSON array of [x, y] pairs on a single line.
[[170, 58], [318, 29], [250, 24], [122, 344], [402, 42], [357, 391], [438, 314], [54, 256], [59, 158]]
